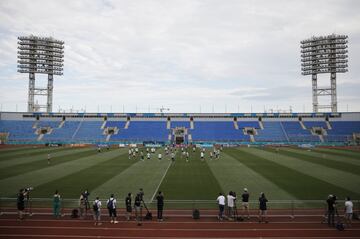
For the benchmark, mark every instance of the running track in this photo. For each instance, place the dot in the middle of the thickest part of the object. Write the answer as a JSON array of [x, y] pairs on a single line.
[[177, 224]]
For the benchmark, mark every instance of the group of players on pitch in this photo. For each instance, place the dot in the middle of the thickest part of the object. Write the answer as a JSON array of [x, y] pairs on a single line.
[[171, 151]]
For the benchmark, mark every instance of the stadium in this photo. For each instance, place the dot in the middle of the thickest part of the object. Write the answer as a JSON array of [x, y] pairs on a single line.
[[299, 160]]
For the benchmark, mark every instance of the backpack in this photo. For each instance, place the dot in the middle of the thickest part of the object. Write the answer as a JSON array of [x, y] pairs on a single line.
[[95, 206], [74, 213], [340, 226], [110, 204]]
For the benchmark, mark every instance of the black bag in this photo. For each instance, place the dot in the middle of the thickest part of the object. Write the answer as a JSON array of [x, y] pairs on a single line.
[[196, 214], [340, 226], [74, 213], [110, 204], [95, 207], [148, 216]]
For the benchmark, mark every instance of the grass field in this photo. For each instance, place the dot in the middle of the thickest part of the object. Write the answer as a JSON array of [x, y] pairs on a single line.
[[287, 174]]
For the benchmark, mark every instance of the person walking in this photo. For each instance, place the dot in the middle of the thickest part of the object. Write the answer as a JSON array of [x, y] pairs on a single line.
[[221, 202], [56, 204], [97, 212], [111, 205], [245, 202], [262, 208], [348, 211], [160, 206], [128, 206]]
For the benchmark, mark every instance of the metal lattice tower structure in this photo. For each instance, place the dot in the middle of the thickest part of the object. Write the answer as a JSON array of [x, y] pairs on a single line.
[[324, 54], [40, 55]]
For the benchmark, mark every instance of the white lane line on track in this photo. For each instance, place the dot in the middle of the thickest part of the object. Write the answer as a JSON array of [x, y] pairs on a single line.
[[174, 229]]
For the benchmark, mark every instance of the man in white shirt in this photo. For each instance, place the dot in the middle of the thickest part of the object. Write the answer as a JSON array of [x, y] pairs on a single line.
[[97, 213], [221, 202], [159, 157], [231, 202], [202, 156], [111, 205], [348, 211]]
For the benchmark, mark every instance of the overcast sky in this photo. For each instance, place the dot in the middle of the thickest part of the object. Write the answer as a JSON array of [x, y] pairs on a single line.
[[189, 56]]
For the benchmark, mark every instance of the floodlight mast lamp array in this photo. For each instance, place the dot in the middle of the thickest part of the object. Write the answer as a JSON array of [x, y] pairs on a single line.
[[324, 54], [40, 55]]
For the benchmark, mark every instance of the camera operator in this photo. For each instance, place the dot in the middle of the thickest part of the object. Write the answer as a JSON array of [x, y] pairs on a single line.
[[85, 195], [21, 202], [331, 202]]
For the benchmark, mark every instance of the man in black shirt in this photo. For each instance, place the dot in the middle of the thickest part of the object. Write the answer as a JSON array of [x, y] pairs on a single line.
[[138, 208], [21, 202], [331, 202], [128, 206], [245, 202], [160, 206]]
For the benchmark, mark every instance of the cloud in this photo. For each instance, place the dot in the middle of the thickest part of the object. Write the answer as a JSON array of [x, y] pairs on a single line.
[[182, 54]]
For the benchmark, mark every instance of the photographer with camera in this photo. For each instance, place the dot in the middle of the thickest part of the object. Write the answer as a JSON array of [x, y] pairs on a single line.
[[24, 192], [331, 203], [86, 202]]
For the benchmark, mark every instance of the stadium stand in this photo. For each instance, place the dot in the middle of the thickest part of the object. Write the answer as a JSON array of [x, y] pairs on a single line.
[[24, 128], [296, 133], [20, 130], [272, 132], [217, 130]]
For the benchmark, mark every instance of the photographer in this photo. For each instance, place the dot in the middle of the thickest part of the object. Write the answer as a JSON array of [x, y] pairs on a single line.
[[331, 203], [85, 195], [21, 202]]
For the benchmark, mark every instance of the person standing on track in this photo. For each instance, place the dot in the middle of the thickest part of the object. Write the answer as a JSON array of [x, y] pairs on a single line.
[[331, 203], [245, 202], [56, 204], [263, 208], [138, 209], [160, 206], [128, 206], [111, 205], [97, 212], [348, 211], [221, 202], [230, 202], [21, 203]]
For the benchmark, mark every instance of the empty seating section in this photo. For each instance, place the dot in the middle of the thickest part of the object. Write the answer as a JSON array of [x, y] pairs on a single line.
[[143, 131], [250, 124], [20, 130], [296, 133], [217, 131], [118, 124], [311, 124], [87, 130], [90, 131], [51, 124], [272, 132], [185, 124], [342, 130], [64, 133]]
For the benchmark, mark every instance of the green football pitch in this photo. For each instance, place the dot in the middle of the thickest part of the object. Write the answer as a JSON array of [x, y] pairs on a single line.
[[284, 174]]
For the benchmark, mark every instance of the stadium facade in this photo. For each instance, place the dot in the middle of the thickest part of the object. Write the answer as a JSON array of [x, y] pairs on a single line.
[[164, 128]]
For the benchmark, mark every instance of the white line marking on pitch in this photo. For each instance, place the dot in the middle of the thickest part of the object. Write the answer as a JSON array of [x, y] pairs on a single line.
[[157, 188]]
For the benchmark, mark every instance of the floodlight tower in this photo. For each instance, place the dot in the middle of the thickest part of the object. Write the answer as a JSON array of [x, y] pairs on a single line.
[[324, 54], [42, 55]]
